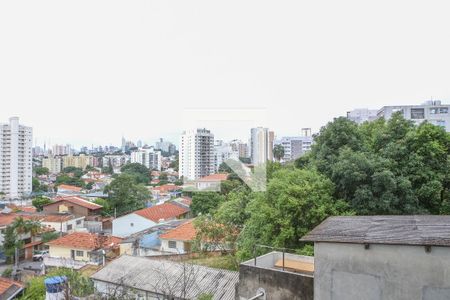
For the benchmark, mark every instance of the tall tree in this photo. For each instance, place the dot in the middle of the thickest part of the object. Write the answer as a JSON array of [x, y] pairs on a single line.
[[278, 152], [125, 195]]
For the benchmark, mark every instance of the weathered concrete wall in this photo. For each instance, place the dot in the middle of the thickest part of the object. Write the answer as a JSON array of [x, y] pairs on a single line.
[[388, 272], [277, 284]]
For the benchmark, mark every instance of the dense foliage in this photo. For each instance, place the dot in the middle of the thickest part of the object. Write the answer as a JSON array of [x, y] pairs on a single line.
[[381, 167], [39, 202]]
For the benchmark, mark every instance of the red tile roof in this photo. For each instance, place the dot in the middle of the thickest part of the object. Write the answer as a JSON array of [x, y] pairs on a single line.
[[6, 284], [184, 232], [7, 219], [215, 177], [167, 188], [56, 218], [28, 209], [78, 201], [69, 187], [85, 240], [163, 211]]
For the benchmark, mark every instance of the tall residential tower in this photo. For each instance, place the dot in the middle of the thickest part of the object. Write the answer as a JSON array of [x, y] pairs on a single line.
[[15, 159], [196, 154], [261, 144]]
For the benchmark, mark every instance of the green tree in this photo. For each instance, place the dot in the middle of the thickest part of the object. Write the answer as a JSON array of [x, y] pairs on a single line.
[[296, 201], [125, 195], [206, 202], [107, 210], [39, 202], [140, 172], [278, 152], [41, 171]]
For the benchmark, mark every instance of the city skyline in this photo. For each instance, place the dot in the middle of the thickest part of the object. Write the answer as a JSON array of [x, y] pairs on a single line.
[[136, 76]]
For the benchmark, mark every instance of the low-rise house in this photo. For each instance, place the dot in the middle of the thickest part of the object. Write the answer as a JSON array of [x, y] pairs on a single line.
[[74, 205], [179, 240], [382, 257], [141, 278], [166, 191], [148, 217], [147, 242], [65, 190], [10, 289], [65, 223], [80, 248], [211, 182]]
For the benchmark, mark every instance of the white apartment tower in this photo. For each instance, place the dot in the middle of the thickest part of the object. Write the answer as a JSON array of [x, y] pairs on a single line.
[[197, 157], [148, 157], [261, 144], [15, 159]]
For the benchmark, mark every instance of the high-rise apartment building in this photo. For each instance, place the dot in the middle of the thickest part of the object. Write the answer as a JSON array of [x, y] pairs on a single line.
[[296, 146], [240, 147], [196, 158], [223, 152], [362, 115], [53, 164], [148, 157], [432, 111], [165, 146], [15, 159], [261, 145]]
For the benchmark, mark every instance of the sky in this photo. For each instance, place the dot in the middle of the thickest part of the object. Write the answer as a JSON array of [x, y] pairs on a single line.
[[88, 72]]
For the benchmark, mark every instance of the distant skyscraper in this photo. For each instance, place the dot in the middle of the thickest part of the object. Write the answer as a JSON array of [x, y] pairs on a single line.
[[261, 144], [16, 157], [165, 146], [61, 150], [362, 115], [196, 154]]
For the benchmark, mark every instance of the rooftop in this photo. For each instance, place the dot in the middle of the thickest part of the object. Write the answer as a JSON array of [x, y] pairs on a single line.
[[184, 232], [163, 211], [69, 188], [214, 177], [425, 230], [290, 263], [161, 276], [78, 201], [9, 288], [85, 240]]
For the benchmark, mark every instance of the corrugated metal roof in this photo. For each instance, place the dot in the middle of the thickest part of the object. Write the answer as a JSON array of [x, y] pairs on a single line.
[[162, 277], [424, 230]]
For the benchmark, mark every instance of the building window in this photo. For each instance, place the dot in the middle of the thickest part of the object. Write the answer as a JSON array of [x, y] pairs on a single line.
[[131, 224], [78, 222], [172, 244], [69, 227], [80, 253], [438, 110], [417, 113]]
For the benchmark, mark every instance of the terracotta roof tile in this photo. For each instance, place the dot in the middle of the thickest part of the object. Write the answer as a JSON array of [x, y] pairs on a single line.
[[78, 201], [85, 240], [184, 232], [6, 284], [215, 177], [69, 187], [163, 211]]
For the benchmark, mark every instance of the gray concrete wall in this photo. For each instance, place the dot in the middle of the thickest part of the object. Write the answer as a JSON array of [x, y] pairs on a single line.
[[277, 284], [388, 272]]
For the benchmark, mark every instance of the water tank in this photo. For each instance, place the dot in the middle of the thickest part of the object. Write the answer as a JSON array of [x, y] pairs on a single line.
[[55, 287]]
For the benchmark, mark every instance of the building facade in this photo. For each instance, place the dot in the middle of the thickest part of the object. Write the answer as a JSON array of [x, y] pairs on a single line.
[[79, 161], [261, 144], [148, 157], [434, 112], [16, 159], [294, 147], [53, 164], [196, 154], [362, 115]]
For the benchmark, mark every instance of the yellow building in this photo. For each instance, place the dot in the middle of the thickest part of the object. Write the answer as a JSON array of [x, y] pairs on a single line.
[[79, 161]]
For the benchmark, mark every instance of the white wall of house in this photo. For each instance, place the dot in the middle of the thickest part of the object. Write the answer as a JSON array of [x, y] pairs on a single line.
[[127, 225], [351, 272], [66, 226], [172, 246]]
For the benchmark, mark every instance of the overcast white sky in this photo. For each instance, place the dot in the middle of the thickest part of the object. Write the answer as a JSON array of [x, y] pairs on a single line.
[[84, 72]]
